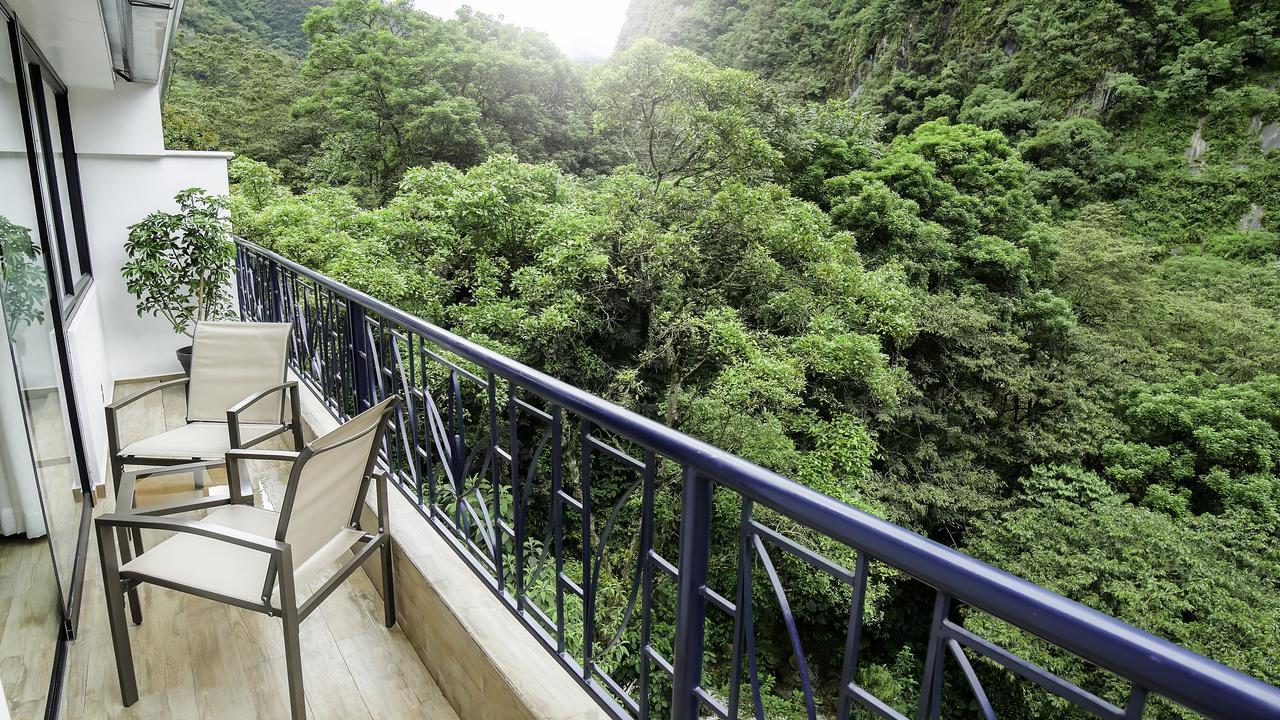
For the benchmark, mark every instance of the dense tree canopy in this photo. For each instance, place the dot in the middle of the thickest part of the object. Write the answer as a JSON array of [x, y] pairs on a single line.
[[951, 264]]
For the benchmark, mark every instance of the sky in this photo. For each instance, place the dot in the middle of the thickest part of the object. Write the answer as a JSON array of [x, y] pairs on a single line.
[[584, 29]]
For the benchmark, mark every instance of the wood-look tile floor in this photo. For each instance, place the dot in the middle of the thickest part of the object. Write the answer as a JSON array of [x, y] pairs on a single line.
[[28, 625], [196, 658], [29, 617]]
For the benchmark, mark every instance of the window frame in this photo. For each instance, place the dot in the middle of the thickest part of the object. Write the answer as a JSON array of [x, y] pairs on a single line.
[[69, 233]]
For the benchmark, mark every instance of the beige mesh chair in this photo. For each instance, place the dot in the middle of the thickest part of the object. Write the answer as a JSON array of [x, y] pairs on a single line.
[[235, 398], [255, 558]]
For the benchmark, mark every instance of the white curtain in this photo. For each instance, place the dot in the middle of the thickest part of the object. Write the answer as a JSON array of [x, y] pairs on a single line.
[[20, 510]]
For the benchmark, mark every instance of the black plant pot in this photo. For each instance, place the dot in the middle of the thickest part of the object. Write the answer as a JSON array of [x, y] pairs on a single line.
[[184, 359]]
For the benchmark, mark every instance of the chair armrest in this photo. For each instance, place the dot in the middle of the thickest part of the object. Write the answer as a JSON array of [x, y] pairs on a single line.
[[113, 425], [233, 415], [193, 527], [143, 393], [252, 399], [235, 487]]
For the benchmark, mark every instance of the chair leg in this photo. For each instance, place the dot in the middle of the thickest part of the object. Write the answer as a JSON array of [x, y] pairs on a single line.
[[115, 616], [126, 554], [292, 645], [117, 471], [388, 584], [298, 442], [117, 474], [138, 549]]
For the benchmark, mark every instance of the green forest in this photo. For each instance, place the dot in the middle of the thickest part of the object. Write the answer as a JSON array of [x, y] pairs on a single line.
[[1004, 273]]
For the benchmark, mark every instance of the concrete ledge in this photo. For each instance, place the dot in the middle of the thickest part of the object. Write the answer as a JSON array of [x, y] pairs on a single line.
[[484, 660]]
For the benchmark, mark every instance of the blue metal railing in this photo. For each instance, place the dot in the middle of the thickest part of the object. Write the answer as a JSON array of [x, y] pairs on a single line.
[[487, 449]]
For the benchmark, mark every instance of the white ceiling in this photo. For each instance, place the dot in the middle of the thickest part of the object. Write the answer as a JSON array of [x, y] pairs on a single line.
[[72, 36]]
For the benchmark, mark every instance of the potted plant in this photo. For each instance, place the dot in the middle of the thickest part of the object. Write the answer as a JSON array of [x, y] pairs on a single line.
[[180, 263], [22, 286]]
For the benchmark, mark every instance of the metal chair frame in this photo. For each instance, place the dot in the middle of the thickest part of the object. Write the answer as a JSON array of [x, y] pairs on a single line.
[[118, 583]]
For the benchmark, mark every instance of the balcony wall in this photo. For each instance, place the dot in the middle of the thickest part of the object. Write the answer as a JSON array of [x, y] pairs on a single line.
[[107, 340]]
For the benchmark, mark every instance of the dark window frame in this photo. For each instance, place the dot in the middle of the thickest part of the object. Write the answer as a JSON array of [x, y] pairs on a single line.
[[70, 233]]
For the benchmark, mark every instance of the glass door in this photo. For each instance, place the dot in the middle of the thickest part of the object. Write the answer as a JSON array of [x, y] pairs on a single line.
[[33, 439], [37, 340]]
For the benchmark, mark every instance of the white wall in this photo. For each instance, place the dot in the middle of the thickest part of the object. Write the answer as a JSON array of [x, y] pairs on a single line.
[[124, 120], [92, 379], [118, 191]]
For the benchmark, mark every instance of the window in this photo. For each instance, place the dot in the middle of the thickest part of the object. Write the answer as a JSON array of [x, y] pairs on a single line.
[[57, 177]]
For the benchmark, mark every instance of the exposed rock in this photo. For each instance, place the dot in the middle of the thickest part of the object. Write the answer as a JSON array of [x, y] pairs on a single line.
[[1195, 153], [903, 56], [1098, 98], [866, 67], [1252, 220], [1270, 137], [948, 17], [1010, 47]]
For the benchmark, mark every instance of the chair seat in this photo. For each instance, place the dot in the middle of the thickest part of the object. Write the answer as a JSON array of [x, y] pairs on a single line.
[[230, 570], [198, 440]]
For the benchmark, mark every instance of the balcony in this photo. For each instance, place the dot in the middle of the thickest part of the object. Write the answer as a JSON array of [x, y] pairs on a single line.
[[523, 500], [199, 658], [536, 577]]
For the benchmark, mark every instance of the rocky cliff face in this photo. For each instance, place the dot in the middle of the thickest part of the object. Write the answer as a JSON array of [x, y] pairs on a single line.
[[1170, 106]]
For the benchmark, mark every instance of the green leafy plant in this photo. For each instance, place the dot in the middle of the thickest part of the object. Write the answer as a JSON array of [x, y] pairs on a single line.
[[21, 277], [180, 263]]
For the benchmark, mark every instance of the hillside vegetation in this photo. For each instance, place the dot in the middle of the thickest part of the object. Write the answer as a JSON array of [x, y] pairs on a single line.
[[1004, 273]]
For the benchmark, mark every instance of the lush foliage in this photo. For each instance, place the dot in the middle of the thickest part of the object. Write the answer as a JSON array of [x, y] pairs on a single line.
[[22, 278], [179, 263], [991, 297]]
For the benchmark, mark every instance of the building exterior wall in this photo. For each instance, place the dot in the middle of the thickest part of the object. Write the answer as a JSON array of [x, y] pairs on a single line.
[[125, 173], [92, 382], [120, 190]]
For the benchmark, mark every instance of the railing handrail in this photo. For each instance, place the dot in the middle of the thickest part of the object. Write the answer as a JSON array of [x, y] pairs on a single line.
[[1153, 663]]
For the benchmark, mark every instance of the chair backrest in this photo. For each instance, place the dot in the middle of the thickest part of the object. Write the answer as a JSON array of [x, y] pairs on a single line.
[[328, 481], [231, 361]]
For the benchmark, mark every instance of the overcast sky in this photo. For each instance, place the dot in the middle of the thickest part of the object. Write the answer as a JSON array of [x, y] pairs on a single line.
[[584, 29]]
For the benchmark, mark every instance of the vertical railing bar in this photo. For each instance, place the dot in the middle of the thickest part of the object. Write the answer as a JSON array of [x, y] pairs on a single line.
[[273, 276], [691, 607], [308, 334], [517, 497], [431, 430], [1137, 703], [743, 599], [931, 684], [415, 453], [358, 355], [458, 457], [853, 637], [496, 483], [557, 519], [588, 587], [747, 608], [405, 413], [646, 596]]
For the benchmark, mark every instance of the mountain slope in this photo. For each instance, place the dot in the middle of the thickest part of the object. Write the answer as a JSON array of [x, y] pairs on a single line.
[[1168, 108], [272, 23]]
